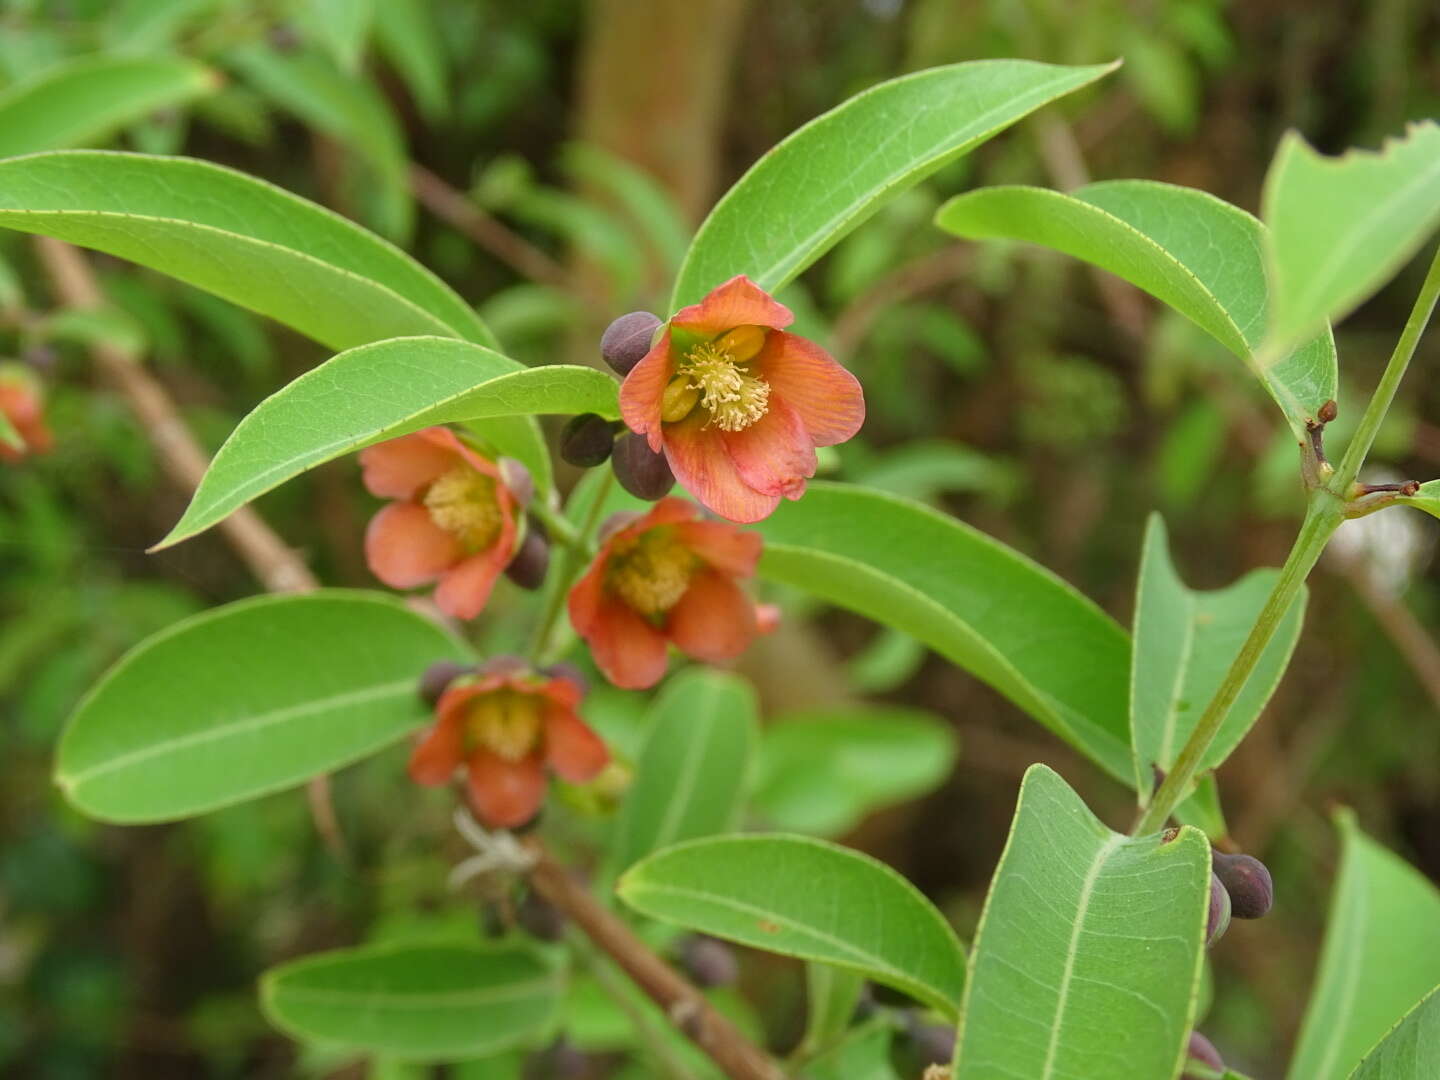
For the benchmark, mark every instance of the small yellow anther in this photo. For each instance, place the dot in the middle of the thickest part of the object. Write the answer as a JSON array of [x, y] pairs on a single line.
[[680, 399], [743, 343]]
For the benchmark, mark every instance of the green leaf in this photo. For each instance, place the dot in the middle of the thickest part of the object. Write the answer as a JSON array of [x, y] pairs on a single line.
[[8, 435], [1427, 498], [88, 100], [1341, 227], [1381, 955], [823, 770], [831, 995], [1192, 251], [980, 604], [238, 237], [246, 699], [691, 775], [373, 393], [351, 111], [822, 181], [414, 1002], [807, 898], [342, 26], [1088, 955], [1185, 642], [1412, 1049], [406, 34], [863, 1053]]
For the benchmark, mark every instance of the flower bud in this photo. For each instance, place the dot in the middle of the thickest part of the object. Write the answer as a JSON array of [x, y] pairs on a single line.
[[1251, 890], [627, 340], [641, 471], [561, 1060], [933, 1044], [530, 562], [587, 440], [708, 962], [1328, 412], [517, 478], [438, 677], [1202, 1050], [1218, 919], [539, 918]]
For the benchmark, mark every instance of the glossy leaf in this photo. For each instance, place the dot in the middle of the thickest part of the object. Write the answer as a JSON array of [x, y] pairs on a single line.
[[238, 237], [86, 101], [1184, 643], [831, 996], [821, 182], [692, 773], [864, 1054], [1088, 955], [978, 603], [1192, 251], [246, 699], [414, 1002], [807, 898], [1341, 227], [373, 393], [1411, 1051], [1381, 955], [823, 770], [1427, 498]]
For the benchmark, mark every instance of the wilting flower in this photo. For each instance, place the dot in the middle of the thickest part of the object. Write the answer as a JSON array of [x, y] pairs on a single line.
[[737, 404], [506, 728], [666, 577], [22, 402], [452, 521]]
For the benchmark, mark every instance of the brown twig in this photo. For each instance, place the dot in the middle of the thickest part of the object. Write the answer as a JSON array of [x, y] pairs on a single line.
[[460, 213], [684, 1005]]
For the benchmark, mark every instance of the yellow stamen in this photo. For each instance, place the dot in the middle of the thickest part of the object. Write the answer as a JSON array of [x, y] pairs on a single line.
[[679, 400], [743, 343], [652, 572], [732, 396], [506, 723], [463, 502]]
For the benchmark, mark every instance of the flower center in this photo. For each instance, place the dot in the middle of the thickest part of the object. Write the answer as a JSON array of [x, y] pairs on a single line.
[[463, 503], [505, 722], [653, 572], [732, 396]]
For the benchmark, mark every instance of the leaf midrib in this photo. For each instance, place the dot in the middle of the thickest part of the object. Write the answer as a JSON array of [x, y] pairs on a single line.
[[538, 988]]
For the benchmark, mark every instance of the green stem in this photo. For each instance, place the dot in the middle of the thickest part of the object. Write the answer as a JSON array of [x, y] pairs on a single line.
[[1379, 405], [1323, 516], [577, 556], [556, 524]]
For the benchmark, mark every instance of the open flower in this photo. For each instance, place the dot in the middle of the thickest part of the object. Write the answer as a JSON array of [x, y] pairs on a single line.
[[23, 404], [666, 576], [737, 404], [506, 728], [452, 521]]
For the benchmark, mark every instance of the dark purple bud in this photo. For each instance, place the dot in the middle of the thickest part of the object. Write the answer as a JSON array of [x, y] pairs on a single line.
[[615, 522], [1218, 920], [933, 1044], [538, 917], [865, 1005], [528, 565], [627, 340], [564, 670], [641, 471], [504, 664], [517, 478], [561, 1060], [437, 677], [708, 962], [42, 358], [1252, 893], [587, 440], [1202, 1050]]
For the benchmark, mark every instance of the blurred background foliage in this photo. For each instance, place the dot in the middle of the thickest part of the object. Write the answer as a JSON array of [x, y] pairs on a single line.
[[550, 159]]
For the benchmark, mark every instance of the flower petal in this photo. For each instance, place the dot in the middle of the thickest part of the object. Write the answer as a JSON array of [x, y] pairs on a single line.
[[827, 398], [698, 457], [439, 752], [726, 548], [505, 794], [627, 649], [643, 391], [738, 302], [446, 439], [774, 455], [714, 620], [572, 749], [464, 591], [404, 548], [399, 468]]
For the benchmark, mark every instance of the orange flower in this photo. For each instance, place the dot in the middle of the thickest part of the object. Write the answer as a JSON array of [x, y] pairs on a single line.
[[505, 728], [667, 576], [23, 404], [737, 404], [452, 521]]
